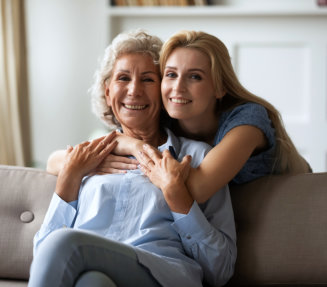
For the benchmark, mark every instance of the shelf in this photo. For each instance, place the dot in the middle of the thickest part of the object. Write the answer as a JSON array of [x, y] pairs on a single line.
[[309, 9]]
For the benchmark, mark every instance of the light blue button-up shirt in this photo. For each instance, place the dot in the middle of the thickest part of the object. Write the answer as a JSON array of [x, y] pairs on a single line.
[[179, 250]]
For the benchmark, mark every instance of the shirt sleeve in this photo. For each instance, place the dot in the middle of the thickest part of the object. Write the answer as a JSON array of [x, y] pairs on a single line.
[[60, 214], [208, 235], [254, 115], [248, 114]]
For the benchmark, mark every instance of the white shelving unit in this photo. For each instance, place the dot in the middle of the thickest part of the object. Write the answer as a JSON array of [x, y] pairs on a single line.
[[117, 15], [214, 10]]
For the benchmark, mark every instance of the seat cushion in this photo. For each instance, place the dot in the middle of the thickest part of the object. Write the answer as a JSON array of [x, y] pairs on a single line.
[[282, 230]]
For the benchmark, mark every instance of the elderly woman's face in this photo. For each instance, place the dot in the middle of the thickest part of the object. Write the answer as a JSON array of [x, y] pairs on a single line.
[[134, 91]]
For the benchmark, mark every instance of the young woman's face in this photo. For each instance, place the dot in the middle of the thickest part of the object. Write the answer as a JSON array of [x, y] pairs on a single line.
[[134, 91], [187, 88]]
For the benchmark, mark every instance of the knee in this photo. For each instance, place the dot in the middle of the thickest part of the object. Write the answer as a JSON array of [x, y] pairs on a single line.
[[94, 278], [52, 255], [61, 241]]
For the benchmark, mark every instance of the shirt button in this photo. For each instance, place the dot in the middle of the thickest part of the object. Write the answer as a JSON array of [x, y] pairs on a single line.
[[188, 236]]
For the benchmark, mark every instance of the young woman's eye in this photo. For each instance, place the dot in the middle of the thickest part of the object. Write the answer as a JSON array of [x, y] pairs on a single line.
[[171, 75], [196, 77]]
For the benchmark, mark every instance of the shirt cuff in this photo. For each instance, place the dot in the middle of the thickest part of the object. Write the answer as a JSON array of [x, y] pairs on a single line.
[[60, 213], [194, 226], [177, 215], [73, 203]]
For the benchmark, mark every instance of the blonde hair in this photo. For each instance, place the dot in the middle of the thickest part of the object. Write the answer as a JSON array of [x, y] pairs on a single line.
[[137, 41], [287, 158]]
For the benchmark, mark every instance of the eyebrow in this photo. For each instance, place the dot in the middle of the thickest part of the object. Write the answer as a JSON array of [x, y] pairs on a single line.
[[143, 73], [189, 70]]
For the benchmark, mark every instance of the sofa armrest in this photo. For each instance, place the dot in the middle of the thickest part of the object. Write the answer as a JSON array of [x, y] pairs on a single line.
[[25, 194]]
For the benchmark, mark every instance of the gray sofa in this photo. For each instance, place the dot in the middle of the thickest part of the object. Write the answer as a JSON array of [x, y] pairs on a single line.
[[281, 225]]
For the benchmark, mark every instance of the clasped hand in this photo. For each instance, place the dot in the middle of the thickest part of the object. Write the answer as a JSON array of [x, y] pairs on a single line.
[[80, 161], [169, 175]]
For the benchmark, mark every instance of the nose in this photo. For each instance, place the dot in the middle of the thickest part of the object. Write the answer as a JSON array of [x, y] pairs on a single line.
[[135, 88], [179, 85]]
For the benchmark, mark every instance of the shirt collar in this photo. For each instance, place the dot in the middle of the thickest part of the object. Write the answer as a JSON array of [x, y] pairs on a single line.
[[172, 144]]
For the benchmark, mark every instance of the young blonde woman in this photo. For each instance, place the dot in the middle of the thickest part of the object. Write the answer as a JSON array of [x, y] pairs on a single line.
[[203, 95]]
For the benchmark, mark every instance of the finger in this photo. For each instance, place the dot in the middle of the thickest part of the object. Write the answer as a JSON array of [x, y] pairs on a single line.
[[97, 140], [152, 152], [123, 159], [100, 170], [101, 143], [117, 165], [144, 158], [85, 143], [108, 149], [69, 148], [186, 160], [145, 170], [166, 153], [120, 165], [110, 137]]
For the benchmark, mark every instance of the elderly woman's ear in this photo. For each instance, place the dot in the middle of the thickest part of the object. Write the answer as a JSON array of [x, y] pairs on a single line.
[[106, 93]]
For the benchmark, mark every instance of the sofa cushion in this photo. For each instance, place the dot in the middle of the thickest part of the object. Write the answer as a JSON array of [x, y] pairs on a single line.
[[282, 230], [25, 196]]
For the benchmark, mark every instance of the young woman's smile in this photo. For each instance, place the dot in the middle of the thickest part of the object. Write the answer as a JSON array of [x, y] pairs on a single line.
[[187, 88]]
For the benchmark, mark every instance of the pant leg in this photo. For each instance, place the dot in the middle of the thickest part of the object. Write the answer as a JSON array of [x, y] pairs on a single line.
[[67, 253], [94, 278]]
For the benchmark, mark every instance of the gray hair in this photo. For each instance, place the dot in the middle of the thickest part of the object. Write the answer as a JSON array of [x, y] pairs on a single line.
[[137, 41]]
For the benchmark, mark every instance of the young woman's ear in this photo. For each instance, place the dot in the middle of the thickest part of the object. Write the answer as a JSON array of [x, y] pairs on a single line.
[[220, 94]]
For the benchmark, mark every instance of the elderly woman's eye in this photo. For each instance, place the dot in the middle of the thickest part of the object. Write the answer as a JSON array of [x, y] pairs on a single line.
[[123, 78], [148, 80]]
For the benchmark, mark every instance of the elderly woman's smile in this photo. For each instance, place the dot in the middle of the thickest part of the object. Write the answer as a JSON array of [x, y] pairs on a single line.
[[134, 107], [133, 92]]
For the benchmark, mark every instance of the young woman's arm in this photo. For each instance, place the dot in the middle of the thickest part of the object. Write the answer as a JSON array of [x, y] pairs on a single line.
[[111, 164], [225, 160], [221, 164]]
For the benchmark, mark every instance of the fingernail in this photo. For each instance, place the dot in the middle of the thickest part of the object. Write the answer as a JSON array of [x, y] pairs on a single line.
[[145, 146], [140, 153]]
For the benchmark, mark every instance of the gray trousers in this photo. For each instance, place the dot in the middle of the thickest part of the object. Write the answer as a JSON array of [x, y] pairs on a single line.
[[70, 257]]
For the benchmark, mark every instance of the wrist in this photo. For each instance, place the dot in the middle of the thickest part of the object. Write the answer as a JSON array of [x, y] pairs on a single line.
[[68, 184], [177, 196]]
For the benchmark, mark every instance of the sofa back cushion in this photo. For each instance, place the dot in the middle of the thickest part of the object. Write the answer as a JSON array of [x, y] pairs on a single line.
[[25, 196], [282, 230]]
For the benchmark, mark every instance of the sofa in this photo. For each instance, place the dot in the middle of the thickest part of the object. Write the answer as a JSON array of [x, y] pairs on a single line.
[[281, 226]]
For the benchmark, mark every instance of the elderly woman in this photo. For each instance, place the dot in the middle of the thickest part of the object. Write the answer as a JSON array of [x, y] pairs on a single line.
[[120, 229]]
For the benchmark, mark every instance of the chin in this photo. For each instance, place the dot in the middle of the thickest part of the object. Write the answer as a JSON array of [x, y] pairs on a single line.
[[177, 115]]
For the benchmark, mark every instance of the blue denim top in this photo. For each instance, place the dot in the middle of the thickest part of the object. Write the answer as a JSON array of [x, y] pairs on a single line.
[[255, 115]]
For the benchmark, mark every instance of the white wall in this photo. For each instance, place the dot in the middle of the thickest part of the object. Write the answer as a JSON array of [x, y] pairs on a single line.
[[64, 40]]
